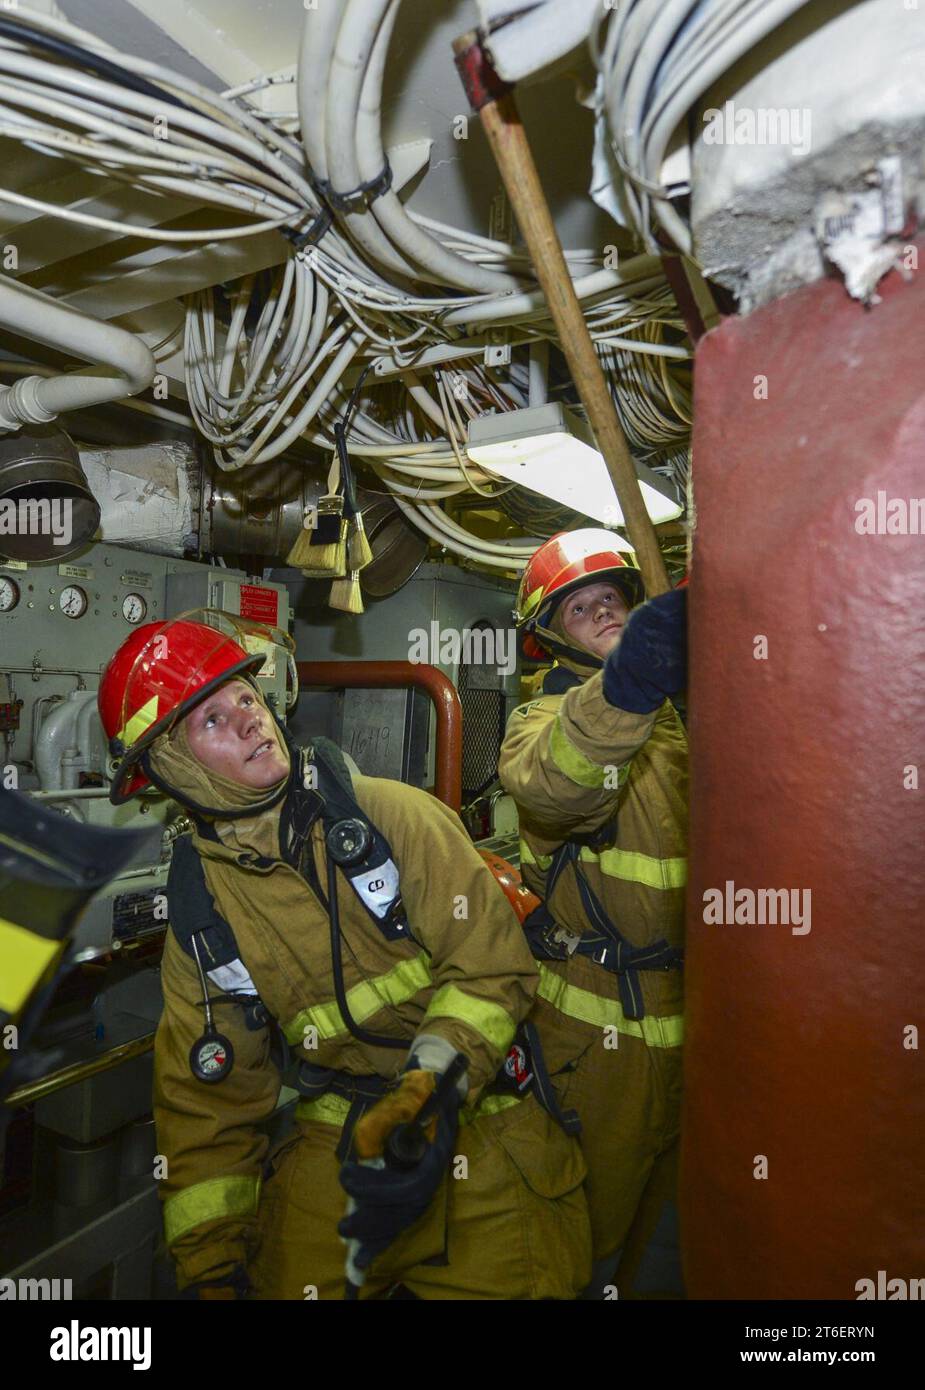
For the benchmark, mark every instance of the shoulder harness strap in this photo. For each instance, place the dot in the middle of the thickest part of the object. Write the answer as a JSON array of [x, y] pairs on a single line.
[[354, 842], [192, 912], [559, 679]]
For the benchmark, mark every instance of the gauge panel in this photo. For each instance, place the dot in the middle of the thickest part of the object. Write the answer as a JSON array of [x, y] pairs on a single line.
[[134, 608], [73, 601], [9, 594]]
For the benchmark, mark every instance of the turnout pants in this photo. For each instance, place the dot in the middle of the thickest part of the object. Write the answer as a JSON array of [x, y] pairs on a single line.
[[509, 1222], [624, 1079]]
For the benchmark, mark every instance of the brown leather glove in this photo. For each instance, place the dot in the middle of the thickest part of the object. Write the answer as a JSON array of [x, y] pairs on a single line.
[[396, 1108]]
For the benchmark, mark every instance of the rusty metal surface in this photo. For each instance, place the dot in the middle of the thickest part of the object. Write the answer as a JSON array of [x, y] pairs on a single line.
[[797, 1045]]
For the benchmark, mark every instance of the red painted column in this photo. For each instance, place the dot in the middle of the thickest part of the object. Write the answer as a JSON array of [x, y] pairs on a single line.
[[797, 1045]]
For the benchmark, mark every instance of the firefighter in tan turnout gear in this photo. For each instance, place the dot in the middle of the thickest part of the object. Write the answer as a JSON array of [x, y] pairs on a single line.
[[351, 920], [598, 767]]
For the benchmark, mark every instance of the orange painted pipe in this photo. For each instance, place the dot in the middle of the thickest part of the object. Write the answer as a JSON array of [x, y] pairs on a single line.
[[399, 675]]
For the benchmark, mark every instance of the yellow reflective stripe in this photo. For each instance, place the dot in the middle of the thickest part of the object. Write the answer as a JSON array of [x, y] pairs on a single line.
[[26, 958], [139, 723], [607, 1013], [639, 868], [488, 1105], [329, 1109], [396, 986], [542, 861], [495, 1024], [570, 760], [531, 601], [208, 1201], [622, 863]]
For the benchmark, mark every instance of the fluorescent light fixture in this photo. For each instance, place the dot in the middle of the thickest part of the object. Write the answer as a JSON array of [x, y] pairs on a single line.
[[551, 450]]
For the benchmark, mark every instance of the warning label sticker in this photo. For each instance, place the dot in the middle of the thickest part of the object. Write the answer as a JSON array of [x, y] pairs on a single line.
[[260, 604]]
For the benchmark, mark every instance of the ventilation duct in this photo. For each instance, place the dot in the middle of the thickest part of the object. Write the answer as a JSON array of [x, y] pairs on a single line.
[[47, 511]]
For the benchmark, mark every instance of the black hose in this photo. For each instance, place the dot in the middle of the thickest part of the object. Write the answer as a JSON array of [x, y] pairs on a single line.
[[340, 994], [82, 57], [16, 29]]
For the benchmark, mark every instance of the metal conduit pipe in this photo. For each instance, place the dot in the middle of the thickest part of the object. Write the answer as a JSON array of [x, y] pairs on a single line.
[[75, 1072], [125, 364], [394, 675]]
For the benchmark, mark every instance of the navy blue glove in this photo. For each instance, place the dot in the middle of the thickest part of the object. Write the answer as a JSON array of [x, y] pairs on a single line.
[[649, 662], [388, 1198]]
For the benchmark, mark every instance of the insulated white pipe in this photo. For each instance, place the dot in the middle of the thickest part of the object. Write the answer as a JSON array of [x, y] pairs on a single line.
[[442, 266], [319, 35], [160, 412], [58, 738], [538, 373], [350, 61], [642, 272], [126, 365]]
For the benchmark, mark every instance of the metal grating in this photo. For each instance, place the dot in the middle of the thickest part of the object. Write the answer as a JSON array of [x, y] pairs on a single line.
[[482, 696]]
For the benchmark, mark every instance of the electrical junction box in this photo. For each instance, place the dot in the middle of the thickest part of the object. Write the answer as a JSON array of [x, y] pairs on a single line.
[[256, 600]]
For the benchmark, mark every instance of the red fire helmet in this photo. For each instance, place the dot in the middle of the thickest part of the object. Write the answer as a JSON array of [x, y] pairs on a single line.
[[156, 677], [565, 562]]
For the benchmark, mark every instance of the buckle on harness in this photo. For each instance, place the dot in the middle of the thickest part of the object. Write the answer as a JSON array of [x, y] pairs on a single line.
[[563, 937]]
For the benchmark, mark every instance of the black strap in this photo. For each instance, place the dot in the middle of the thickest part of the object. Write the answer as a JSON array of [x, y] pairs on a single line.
[[337, 968], [312, 234], [543, 1088], [619, 956], [559, 648], [607, 947], [199, 917], [355, 198], [559, 679], [338, 803], [361, 1092]]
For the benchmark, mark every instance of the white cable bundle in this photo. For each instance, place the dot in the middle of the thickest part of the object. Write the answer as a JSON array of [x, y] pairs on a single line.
[[381, 281], [656, 58]]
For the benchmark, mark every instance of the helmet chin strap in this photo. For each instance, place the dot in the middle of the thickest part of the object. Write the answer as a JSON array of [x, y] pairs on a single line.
[[546, 637], [579, 655]]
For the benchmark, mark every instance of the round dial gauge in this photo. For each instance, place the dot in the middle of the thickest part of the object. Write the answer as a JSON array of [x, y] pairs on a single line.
[[72, 601], [134, 608], [9, 594]]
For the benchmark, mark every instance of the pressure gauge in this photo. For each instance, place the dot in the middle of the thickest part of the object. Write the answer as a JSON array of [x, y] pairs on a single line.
[[9, 594], [134, 608], [72, 601]]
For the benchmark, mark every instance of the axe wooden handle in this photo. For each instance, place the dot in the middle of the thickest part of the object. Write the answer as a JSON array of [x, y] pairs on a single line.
[[494, 101]]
